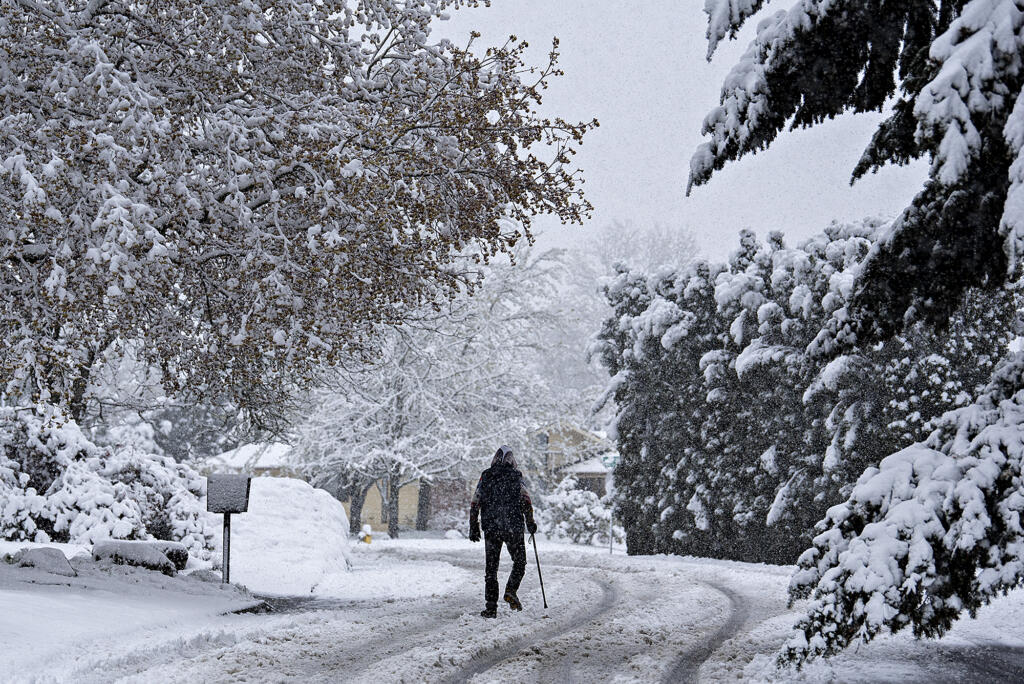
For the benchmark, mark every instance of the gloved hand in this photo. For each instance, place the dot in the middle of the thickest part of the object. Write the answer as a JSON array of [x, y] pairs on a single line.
[[474, 533], [531, 526]]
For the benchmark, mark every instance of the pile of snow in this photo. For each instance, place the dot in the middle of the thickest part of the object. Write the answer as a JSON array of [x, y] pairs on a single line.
[[291, 538]]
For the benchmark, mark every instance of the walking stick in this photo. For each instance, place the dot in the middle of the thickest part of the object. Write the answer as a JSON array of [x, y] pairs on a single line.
[[539, 576]]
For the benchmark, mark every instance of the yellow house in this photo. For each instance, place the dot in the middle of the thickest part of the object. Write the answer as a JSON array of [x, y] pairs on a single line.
[[373, 507], [443, 503]]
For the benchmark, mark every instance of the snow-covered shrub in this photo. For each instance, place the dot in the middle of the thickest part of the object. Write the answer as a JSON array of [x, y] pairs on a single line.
[[577, 515], [57, 485], [934, 531], [138, 554]]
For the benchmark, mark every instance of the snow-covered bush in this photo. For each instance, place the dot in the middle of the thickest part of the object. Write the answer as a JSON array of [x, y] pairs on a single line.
[[57, 485], [577, 515]]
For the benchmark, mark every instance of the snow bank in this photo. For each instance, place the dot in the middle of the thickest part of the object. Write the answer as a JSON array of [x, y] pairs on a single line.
[[53, 629], [292, 537]]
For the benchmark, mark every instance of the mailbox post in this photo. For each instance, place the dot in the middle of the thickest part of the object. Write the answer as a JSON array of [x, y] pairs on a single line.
[[227, 493], [609, 461]]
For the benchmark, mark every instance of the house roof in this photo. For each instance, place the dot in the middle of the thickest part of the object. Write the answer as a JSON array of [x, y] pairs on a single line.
[[597, 439], [591, 466], [262, 455]]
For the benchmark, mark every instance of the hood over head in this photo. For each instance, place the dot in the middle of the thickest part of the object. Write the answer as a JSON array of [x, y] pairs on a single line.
[[503, 456]]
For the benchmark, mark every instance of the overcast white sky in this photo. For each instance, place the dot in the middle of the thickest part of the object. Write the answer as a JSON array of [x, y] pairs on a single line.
[[639, 67]]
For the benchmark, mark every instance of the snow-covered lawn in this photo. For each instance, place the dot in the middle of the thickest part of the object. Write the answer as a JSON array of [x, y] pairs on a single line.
[[407, 611], [50, 625]]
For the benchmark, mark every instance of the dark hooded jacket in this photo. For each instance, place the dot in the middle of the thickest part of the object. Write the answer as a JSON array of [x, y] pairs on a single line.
[[501, 500]]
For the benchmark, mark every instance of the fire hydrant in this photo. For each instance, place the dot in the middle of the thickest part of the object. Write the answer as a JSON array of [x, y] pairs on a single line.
[[366, 535]]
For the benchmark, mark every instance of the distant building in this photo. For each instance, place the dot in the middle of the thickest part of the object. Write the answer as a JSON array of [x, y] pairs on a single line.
[[565, 449], [590, 474], [268, 459], [374, 515]]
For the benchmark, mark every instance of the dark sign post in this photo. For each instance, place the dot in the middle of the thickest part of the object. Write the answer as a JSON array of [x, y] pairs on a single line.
[[227, 494]]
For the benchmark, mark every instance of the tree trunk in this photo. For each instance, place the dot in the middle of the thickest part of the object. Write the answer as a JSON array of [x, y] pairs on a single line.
[[393, 484], [423, 506], [77, 402], [357, 497]]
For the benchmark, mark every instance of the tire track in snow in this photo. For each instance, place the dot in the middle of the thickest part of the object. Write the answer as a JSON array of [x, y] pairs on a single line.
[[688, 664], [485, 661], [994, 662], [202, 652]]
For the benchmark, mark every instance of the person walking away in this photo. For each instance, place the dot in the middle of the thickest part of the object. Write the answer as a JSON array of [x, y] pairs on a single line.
[[502, 506]]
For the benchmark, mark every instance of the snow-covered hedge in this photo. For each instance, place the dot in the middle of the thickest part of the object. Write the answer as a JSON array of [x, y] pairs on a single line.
[[57, 485], [577, 515], [934, 531]]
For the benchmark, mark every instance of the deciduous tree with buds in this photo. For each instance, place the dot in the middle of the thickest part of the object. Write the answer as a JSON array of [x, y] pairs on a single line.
[[241, 190]]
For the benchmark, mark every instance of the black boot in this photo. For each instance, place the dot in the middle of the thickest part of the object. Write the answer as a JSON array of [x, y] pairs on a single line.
[[489, 612], [513, 601]]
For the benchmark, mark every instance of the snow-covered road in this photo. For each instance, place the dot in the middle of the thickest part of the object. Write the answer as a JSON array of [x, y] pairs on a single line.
[[600, 622], [610, 618]]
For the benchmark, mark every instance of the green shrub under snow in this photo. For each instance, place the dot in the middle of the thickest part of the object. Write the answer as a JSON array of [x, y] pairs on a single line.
[[577, 515], [57, 485]]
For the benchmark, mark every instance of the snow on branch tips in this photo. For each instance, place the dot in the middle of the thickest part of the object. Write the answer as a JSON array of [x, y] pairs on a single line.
[[247, 190]]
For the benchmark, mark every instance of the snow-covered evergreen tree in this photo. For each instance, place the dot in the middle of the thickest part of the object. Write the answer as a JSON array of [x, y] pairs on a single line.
[[637, 469], [736, 439]]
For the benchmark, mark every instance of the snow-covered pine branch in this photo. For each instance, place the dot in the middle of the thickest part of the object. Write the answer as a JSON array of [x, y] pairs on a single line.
[[952, 73], [933, 531]]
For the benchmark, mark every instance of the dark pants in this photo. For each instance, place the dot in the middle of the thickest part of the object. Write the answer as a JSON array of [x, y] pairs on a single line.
[[516, 543]]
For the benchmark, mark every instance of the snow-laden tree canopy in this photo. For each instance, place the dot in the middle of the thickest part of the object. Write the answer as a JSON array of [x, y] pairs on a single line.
[[447, 388], [952, 70], [246, 187]]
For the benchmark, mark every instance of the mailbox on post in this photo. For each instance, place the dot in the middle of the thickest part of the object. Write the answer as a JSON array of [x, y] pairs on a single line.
[[227, 493]]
